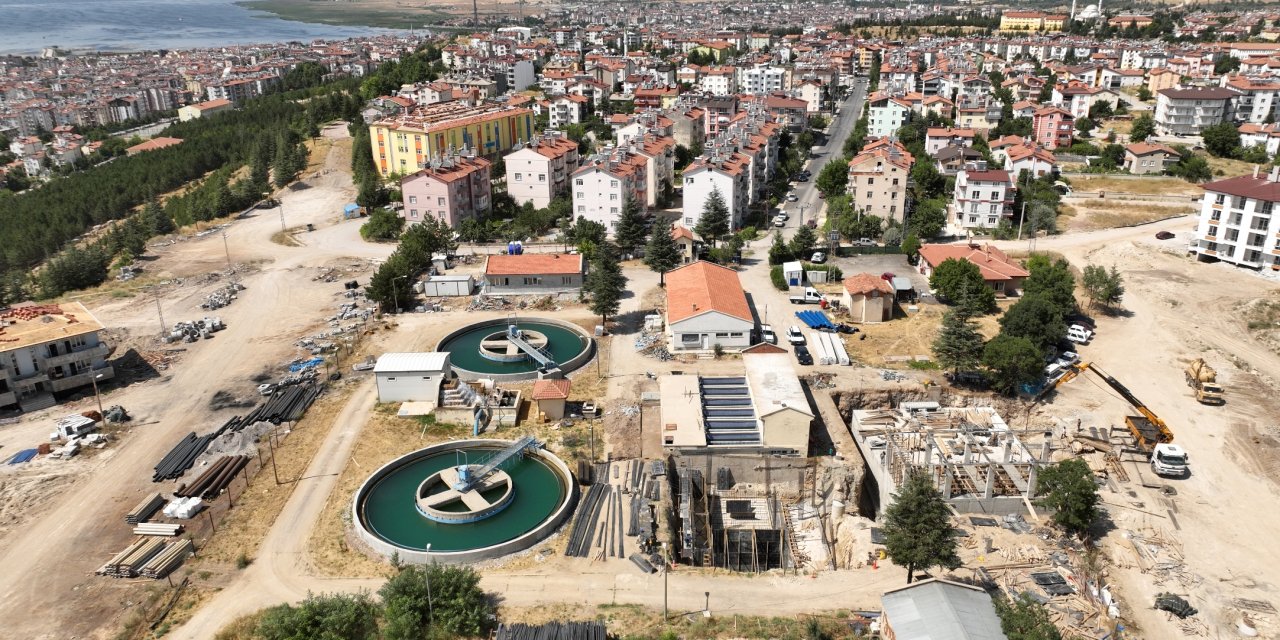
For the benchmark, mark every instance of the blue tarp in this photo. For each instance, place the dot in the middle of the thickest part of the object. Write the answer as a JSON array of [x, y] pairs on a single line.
[[22, 456], [295, 368]]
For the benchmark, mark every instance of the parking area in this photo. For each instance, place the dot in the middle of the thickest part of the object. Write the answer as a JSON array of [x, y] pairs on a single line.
[[878, 264]]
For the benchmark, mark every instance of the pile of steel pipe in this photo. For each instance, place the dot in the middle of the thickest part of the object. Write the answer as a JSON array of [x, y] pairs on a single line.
[[129, 562], [553, 631], [216, 478], [181, 457], [167, 560], [585, 526], [287, 404], [145, 509], [157, 529]]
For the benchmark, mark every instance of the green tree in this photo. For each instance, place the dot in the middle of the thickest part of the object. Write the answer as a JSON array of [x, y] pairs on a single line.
[[1051, 279], [834, 177], [1104, 288], [1144, 126], [1085, 125], [1222, 140], [630, 233], [803, 242], [910, 246], [605, 284], [917, 527], [435, 601], [662, 254], [1069, 489], [1037, 319], [1190, 167], [1144, 94], [958, 346], [954, 279], [322, 617], [157, 221], [1025, 619], [383, 226], [1013, 361], [713, 224], [927, 181], [779, 252], [929, 218]]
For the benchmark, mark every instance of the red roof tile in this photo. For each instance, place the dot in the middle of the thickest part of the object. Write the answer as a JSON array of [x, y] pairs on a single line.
[[704, 286], [533, 264], [551, 389]]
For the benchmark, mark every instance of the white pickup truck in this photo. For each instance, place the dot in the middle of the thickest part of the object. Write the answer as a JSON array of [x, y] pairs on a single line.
[[811, 296]]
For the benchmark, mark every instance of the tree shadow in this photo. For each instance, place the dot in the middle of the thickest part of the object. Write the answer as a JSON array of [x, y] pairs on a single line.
[[630, 322]]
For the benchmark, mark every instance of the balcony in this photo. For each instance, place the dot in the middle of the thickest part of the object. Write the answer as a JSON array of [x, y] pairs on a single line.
[[81, 379], [87, 353]]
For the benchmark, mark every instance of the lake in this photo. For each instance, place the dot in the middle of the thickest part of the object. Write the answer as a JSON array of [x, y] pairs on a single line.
[[131, 25]]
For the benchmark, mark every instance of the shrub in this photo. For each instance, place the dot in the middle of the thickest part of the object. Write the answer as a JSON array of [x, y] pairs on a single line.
[[779, 280]]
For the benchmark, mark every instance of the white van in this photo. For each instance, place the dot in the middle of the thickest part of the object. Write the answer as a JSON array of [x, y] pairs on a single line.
[[1078, 334]]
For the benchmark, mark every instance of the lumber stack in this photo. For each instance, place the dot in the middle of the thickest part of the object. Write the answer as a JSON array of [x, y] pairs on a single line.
[[167, 560], [145, 509], [129, 562], [157, 529]]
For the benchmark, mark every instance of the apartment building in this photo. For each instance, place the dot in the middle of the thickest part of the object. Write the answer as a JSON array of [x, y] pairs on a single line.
[[1266, 136], [938, 137], [539, 172], [1052, 127], [566, 109], [1238, 222], [761, 79], [1189, 111], [1078, 98], [812, 92], [604, 182], [878, 178], [729, 174], [719, 81], [658, 155], [405, 143], [49, 349], [983, 197], [1257, 103], [886, 115], [452, 189]]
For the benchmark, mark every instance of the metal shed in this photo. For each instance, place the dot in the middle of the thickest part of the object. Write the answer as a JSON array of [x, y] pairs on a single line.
[[456, 285], [794, 273], [411, 377]]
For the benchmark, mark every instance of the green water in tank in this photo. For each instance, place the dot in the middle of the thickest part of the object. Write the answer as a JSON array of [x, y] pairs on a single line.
[[464, 350]]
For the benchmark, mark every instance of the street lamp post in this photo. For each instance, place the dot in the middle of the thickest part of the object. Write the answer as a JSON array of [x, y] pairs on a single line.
[[227, 249], [98, 396]]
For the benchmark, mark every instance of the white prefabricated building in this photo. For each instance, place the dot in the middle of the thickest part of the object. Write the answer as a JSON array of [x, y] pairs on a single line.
[[411, 377]]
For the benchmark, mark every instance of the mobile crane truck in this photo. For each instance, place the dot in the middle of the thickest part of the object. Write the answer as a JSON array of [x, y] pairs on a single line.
[[1151, 435]]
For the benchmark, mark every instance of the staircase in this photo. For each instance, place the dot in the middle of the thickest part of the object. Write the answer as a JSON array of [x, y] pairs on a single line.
[[460, 396]]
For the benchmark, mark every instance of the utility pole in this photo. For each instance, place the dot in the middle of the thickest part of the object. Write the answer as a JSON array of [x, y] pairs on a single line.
[[282, 229], [164, 329], [227, 248]]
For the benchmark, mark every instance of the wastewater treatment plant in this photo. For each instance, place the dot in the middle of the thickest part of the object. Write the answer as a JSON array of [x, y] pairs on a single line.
[[512, 349], [464, 501]]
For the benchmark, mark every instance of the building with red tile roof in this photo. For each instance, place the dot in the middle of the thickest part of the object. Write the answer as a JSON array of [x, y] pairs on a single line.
[[999, 271], [706, 307], [153, 144], [534, 273]]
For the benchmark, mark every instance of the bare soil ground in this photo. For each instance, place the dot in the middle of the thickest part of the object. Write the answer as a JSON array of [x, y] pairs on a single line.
[[1155, 185], [1083, 214]]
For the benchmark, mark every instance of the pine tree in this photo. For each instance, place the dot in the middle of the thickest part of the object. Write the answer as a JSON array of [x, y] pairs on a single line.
[[803, 242], [605, 283], [917, 527], [779, 252], [259, 167], [156, 219], [662, 255], [958, 346], [714, 222], [282, 168], [630, 232]]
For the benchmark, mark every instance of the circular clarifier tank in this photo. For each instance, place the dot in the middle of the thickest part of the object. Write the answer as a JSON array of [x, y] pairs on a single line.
[[483, 349], [433, 497]]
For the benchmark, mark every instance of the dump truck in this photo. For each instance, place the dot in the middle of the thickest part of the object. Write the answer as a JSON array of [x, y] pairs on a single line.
[[1203, 380]]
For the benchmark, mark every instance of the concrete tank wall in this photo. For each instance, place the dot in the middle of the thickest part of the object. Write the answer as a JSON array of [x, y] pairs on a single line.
[[530, 538], [572, 364]]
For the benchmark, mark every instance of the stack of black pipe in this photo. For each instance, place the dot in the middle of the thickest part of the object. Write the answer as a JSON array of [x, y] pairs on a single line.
[[216, 478], [285, 405], [182, 456], [553, 631]]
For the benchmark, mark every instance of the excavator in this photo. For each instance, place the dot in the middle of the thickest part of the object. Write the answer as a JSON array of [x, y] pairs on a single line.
[[1152, 436]]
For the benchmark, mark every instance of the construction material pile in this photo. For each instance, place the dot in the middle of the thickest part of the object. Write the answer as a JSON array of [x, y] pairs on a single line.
[[194, 330], [129, 563], [215, 479], [552, 631], [167, 560], [145, 509], [181, 457], [286, 404], [1175, 604], [183, 508], [222, 296], [164, 529]]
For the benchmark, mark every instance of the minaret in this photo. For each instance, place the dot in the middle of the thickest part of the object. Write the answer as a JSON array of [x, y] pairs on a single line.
[[1073, 10]]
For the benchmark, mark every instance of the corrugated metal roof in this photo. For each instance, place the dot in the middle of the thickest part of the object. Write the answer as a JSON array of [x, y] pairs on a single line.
[[402, 362], [941, 610]]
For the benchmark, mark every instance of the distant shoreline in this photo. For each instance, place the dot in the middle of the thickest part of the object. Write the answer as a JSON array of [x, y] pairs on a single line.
[[346, 14]]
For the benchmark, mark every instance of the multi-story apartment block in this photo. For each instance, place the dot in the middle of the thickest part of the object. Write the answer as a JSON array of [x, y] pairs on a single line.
[[813, 92], [730, 175], [1258, 102], [887, 114], [451, 189], [1052, 127], [878, 178], [761, 79], [565, 110], [1189, 111], [1239, 222], [658, 152], [1078, 98], [982, 198], [719, 81], [405, 143], [605, 182], [46, 350], [938, 137], [539, 172]]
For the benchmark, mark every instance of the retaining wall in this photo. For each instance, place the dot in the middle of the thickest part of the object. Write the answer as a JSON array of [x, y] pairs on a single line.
[[414, 556]]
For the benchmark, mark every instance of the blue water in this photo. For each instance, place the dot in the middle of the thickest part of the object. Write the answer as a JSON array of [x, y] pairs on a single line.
[[27, 26]]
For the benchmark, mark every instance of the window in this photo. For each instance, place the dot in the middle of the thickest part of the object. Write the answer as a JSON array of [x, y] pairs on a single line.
[[973, 219], [868, 195], [613, 197], [688, 221], [533, 280], [581, 194], [582, 208], [413, 213], [566, 279], [440, 201], [519, 176], [688, 180], [722, 335], [613, 183], [690, 338], [414, 199], [974, 194], [895, 182], [613, 209], [991, 221], [542, 177], [735, 334], [871, 181], [1213, 231], [1220, 199], [995, 195]]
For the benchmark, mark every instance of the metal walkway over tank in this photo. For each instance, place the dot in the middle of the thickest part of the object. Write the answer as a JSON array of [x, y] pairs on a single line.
[[541, 356], [470, 478]]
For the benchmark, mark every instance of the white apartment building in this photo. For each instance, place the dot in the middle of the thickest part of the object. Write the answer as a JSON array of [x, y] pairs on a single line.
[[1257, 101], [1238, 221], [719, 81], [1189, 111], [811, 91], [658, 154], [878, 179], [730, 175], [886, 115], [603, 184], [540, 171], [982, 199], [49, 349], [566, 109], [761, 79]]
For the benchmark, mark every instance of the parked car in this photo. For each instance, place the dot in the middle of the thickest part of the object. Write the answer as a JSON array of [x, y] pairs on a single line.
[[802, 355], [1079, 334], [819, 257], [767, 334], [1164, 235], [794, 336], [784, 215], [791, 197], [802, 178], [779, 221]]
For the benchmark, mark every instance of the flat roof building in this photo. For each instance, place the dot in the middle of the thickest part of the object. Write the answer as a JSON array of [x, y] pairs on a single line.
[[47, 349]]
